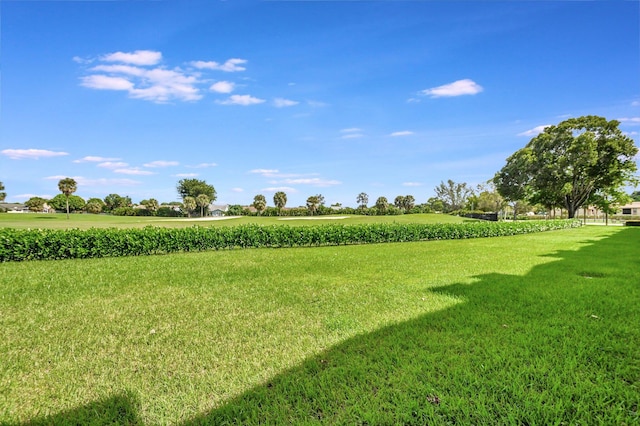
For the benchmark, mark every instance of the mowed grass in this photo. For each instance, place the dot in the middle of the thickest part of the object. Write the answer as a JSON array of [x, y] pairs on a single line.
[[86, 221], [533, 329]]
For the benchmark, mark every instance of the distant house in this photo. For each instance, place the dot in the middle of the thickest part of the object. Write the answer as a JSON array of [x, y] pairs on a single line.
[[632, 209], [14, 208], [218, 209]]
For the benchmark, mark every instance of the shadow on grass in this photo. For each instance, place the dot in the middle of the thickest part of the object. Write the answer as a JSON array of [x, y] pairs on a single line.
[[556, 346]]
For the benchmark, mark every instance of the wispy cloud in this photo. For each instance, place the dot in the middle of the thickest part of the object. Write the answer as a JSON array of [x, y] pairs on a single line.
[[629, 120], [161, 163], [222, 87], [243, 100], [351, 133], [139, 57], [186, 175], [352, 136], [237, 190], [280, 188], [113, 164], [265, 172], [95, 159], [535, 131], [401, 133], [31, 154], [282, 103], [231, 65], [411, 184], [134, 171], [457, 88], [203, 165], [102, 182]]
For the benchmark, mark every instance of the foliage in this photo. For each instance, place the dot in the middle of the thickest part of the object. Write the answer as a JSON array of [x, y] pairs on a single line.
[[168, 211], [3, 194], [382, 205], [259, 203], [189, 204], [59, 202], [67, 186], [565, 164], [113, 201], [195, 187], [453, 195], [151, 205], [202, 201], [125, 211], [280, 200], [635, 196], [41, 244], [313, 202], [362, 199], [235, 210], [35, 204]]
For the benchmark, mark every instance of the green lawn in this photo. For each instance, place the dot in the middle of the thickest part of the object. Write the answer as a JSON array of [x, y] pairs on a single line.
[[532, 329], [84, 221]]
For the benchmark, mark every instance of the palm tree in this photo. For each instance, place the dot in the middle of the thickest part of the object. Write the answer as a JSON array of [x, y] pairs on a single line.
[[382, 204], [202, 200], [312, 204], [189, 203], [67, 186], [362, 199], [280, 200], [259, 203]]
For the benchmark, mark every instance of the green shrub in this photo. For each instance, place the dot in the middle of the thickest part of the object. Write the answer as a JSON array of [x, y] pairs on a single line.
[[45, 244]]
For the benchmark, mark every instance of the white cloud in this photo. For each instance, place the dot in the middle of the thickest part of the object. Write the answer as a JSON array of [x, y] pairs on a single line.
[[139, 57], [237, 189], [411, 184], [25, 197], [401, 133], [32, 154], [265, 172], [134, 171], [104, 82], [352, 136], [161, 163], [281, 102], [243, 100], [203, 165], [535, 131], [94, 159], [102, 182], [457, 88], [231, 65], [186, 175], [222, 87], [113, 164], [635, 103], [279, 188], [629, 120]]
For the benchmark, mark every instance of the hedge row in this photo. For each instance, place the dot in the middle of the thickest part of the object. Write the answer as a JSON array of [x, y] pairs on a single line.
[[41, 244]]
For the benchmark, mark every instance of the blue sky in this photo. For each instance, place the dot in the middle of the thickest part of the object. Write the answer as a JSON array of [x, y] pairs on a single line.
[[307, 97]]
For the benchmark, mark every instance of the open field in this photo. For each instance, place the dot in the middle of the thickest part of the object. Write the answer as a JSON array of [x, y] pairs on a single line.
[[532, 329], [85, 221]]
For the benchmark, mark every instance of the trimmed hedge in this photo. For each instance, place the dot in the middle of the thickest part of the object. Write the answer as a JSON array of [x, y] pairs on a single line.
[[48, 244]]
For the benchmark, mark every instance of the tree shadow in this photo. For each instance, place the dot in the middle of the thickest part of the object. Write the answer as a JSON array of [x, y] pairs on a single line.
[[119, 409], [555, 346]]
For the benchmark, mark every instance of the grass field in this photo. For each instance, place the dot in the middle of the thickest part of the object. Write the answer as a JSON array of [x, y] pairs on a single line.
[[533, 329], [84, 221]]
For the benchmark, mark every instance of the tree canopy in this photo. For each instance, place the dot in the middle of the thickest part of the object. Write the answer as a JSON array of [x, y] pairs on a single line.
[[280, 200], [453, 195], [195, 187], [3, 194], [567, 163], [67, 186]]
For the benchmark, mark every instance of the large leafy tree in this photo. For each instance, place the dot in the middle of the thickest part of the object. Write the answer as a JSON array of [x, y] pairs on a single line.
[[114, 201], [195, 187], [94, 205], [67, 186], [60, 201], [259, 203], [151, 205], [280, 200], [567, 163], [453, 195], [3, 194], [35, 204]]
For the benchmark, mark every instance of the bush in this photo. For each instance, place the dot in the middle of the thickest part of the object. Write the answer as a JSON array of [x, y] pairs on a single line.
[[168, 212], [123, 211], [41, 244], [632, 223]]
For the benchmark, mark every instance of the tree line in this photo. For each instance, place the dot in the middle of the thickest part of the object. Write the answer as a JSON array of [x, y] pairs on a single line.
[[579, 162]]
